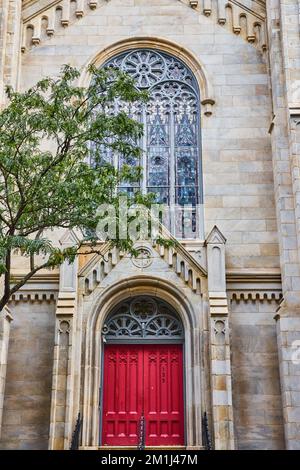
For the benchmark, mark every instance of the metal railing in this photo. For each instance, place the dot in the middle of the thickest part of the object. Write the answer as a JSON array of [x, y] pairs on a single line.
[[76, 434], [142, 433], [206, 440]]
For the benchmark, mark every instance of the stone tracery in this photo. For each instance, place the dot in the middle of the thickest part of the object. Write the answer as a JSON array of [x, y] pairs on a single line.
[[171, 122]]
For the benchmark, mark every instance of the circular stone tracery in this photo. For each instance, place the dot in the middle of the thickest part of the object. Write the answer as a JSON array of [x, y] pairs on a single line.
[[149, 67], [146, 67], [143, 318]]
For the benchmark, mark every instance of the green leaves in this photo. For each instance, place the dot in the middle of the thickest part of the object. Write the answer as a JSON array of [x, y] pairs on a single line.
[[47, 134]]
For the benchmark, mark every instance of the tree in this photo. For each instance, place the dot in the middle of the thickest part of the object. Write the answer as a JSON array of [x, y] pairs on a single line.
[[47, 135]]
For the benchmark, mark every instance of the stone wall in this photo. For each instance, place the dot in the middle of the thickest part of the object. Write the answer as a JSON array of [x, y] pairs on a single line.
[[239, 197], [26, 415], [255, 375], [237, 158], [5, 321]]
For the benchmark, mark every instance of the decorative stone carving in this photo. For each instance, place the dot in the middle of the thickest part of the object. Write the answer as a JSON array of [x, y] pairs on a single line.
[[64, 326], [207, 104], [219, 330], [249, 22], [33, 14], [143, 318], [194, 3], [178, 258], [143, 258]]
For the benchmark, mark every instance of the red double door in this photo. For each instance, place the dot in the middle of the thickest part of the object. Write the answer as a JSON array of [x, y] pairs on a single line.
[[143, 380]]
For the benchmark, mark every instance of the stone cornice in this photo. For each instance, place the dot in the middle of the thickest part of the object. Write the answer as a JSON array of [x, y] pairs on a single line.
[[40, 288], [254, 286]]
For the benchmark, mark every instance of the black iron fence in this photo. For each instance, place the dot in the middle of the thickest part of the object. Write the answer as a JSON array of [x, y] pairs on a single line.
[[142, 434], [76, 434], [206, 439]]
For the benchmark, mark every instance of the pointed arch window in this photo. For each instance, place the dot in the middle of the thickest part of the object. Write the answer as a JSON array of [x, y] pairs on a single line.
[[171, 158]]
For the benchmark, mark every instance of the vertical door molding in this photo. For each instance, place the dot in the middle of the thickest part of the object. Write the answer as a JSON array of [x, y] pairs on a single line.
[[220, 367]]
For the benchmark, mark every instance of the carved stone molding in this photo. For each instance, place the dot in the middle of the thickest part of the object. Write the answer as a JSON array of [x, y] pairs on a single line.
[[40, 288], [255, 295], [44, 18], [34, 297], [254, 287], [207, 106], [246, 19], [186, 266], [219, 328]]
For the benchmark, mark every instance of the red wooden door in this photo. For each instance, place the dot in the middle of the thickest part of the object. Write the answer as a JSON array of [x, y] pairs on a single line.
[[163, 395], [122, 400], [143, 380]]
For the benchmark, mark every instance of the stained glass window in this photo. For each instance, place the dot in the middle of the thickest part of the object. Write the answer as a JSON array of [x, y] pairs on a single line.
[[171, 145]]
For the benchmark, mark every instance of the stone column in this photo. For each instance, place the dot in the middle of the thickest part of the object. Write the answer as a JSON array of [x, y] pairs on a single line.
[[288, 339], [284, 58], [3, 39], [61, 418], [221, 389], [10, 34], [5, 319]]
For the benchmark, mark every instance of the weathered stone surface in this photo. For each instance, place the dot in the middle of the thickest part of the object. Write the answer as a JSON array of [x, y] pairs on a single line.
[[26, 414], [250, 159], [255, 374]]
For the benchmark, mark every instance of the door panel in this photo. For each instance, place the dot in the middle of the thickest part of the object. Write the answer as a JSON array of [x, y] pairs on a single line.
[[143, 380], [163, 395], [122, 400]]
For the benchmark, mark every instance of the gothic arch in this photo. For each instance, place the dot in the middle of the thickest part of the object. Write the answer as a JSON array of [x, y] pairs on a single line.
[[105, 302], [164, 45]]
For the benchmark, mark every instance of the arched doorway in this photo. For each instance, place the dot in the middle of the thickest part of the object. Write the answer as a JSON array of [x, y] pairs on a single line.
[[143, 392]]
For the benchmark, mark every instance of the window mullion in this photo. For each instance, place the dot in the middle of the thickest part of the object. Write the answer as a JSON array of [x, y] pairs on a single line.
[[144, 157], [172, 176]]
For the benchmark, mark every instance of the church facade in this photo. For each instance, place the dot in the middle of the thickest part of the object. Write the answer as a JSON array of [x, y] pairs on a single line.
[[196, 344]]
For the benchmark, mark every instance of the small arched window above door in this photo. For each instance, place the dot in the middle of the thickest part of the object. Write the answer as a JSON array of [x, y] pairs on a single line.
[[142, 319], [171, 147]]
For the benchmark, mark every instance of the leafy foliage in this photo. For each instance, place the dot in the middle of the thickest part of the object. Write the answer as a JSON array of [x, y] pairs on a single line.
[[46, 181]]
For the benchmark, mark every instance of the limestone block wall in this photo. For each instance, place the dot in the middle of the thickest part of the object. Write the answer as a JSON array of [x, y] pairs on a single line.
[[256, 392], [3, 39], [26, 415], [239, 196], [237, 166], [288, 338], [5, 321], [283, 30], [10, 35]]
